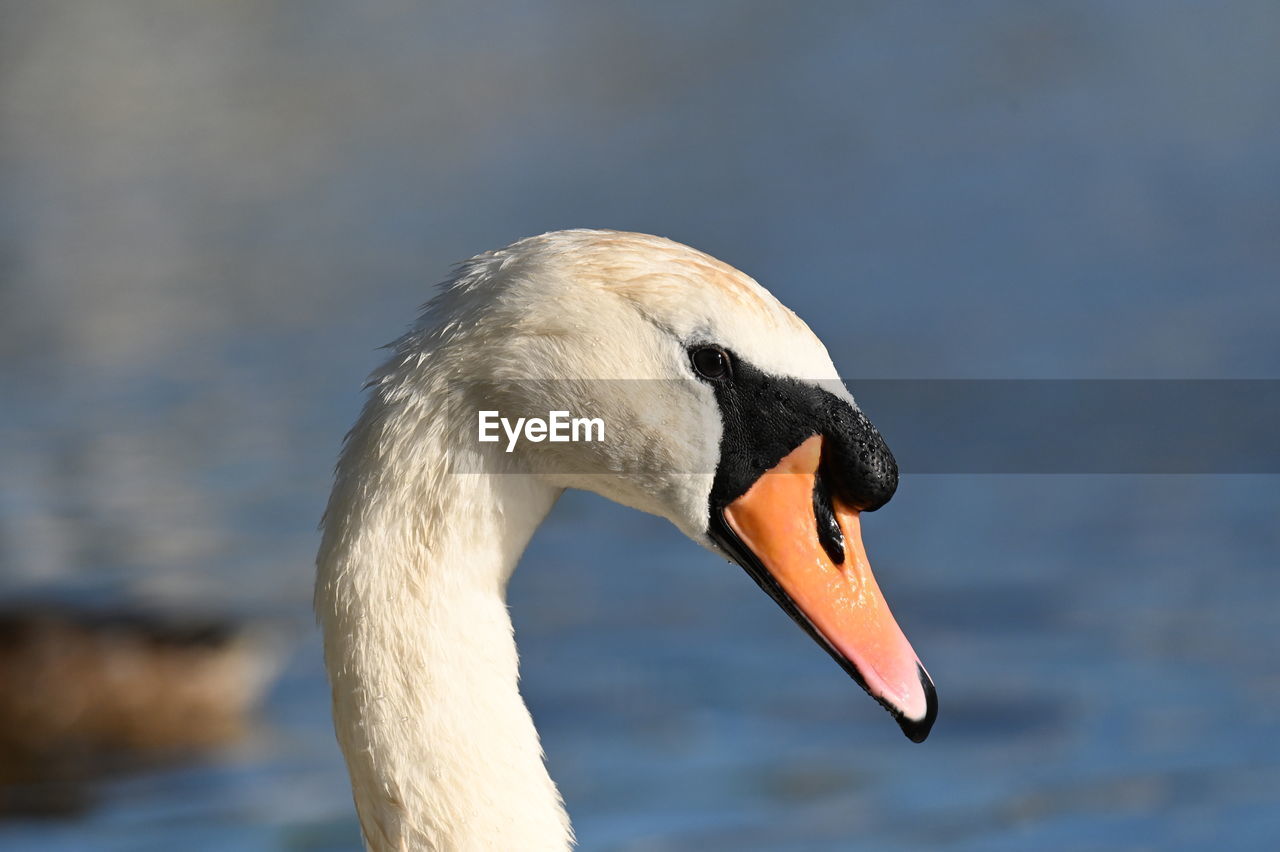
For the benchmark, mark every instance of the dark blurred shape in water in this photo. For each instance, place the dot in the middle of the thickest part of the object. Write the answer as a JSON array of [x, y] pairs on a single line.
[[87, 694]]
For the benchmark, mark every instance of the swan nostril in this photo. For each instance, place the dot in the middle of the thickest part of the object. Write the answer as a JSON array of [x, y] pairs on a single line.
[[829, 533]]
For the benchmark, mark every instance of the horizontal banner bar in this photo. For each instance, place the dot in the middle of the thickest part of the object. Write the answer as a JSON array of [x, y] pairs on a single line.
[[970, 426]]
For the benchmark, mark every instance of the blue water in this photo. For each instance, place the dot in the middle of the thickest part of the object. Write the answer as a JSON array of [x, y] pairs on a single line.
[[213, 215]]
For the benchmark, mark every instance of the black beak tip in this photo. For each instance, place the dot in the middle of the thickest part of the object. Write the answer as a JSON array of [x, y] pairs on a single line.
[[917, 730]]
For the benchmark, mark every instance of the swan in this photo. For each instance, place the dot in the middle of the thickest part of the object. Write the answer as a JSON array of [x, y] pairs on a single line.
[[723, 414]]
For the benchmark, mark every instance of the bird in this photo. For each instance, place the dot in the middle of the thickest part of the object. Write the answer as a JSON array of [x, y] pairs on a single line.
[[721, 411], [87, 692]]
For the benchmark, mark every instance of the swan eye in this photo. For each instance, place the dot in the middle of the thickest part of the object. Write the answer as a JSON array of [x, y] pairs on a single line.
[[711, 362]]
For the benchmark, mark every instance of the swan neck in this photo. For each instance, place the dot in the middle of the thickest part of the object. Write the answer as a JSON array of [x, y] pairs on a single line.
[[411, 596]]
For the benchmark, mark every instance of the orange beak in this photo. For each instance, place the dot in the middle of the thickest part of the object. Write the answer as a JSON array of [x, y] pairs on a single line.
[[808, 555]]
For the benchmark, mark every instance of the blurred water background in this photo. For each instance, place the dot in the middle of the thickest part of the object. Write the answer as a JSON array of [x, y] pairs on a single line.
[[212, 213]]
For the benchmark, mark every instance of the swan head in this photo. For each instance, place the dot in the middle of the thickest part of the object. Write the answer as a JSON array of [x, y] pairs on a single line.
[[721, 411]]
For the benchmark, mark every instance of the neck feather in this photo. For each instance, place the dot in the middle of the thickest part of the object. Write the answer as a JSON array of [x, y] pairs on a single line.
[[411, 596]]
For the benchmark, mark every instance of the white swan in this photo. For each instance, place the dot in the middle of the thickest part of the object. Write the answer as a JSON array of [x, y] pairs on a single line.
[[732, 424]]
